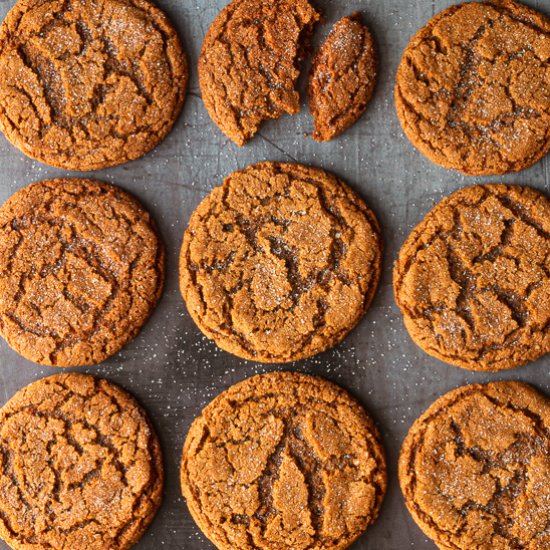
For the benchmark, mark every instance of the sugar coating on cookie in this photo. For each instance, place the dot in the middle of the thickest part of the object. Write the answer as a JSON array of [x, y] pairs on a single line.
[[472, 280], [342, 78], [250, 63], [81, 466], [474, 468], [89, 84], [81, 269], [285, 461], [472, 89], [280, 262]]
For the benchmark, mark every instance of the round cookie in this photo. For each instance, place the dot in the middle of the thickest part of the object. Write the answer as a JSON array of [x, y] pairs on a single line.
[[342, 78], [89, 84], [280, 262], [472, 280], [81, 466], [473, 88], [286, 461], [249, 63], [474, 468], [81, 269]]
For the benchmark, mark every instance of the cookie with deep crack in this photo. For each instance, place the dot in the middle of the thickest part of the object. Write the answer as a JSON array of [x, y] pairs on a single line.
[[280, 262], [472, 90], [342, 78], [283, 460], [81, 466], [81, 269], [89, 84], [474, 468], [250, 63], [473, 281]]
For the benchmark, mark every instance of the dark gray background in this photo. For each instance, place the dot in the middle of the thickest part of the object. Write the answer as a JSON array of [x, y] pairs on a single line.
[[174, 371]]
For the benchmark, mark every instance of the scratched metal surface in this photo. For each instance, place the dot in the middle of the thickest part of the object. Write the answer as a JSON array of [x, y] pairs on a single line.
[[174, 371]]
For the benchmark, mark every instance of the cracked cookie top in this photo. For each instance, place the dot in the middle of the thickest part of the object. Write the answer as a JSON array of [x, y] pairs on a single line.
[[342, 78], [473, 88], [283, 460], [474, 468], [249, 63], [88, 84], [473, 278], [81, 269], [81, 466], [280, 262]]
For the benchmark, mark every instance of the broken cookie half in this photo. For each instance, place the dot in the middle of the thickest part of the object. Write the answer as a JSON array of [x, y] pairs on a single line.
[[249, 63], [342, 78]]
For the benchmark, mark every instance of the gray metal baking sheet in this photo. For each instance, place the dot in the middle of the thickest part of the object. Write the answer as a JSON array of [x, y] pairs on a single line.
[[174, 371]]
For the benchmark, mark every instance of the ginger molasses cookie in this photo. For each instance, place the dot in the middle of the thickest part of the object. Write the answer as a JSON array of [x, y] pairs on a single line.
[[472, 280], [89, 84], [81, 269], [250, 62], [474, 468], [473, 88], [342, 78], [280, 262], [286, 461], [81, 466]]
